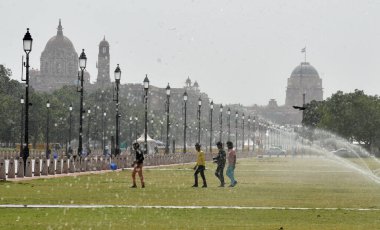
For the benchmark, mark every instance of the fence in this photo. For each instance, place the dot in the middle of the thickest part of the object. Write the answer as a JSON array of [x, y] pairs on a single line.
[[37, 165]]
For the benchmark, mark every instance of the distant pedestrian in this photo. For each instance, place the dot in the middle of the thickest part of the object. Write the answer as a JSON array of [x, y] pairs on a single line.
[[231, 163], [220, 160], [200, 166], [138, 166]]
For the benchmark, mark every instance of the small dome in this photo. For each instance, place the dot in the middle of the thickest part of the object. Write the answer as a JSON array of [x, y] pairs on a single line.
[[104, 42], [305, 70], [196, 85]]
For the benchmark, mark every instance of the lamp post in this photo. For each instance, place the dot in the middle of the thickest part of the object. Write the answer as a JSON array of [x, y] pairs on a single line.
[[236, 126], [47, 153], [249, 129], [243, 117], [167, 118], [70, 111], [229, 124], [27, 45], [82, 66], [22, 102], [117, 80], [199, 119], [104, 130], [146, 88], [220, 123], [136, 121], [211, 110], [151, 127], [88, 129], [184, 123]]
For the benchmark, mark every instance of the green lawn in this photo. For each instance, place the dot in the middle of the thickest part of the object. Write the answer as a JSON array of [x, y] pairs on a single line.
[[274, 182]]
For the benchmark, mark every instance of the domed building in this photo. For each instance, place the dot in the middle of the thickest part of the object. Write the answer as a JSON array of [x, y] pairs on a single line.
[[58, 64], [303, 80]]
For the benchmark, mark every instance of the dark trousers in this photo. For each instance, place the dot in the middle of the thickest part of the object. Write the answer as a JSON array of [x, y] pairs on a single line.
[[201, 170], [219, 173]]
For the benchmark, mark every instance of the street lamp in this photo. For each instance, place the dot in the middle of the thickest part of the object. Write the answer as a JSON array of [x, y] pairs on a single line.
[[211, 110], [22, 102], [70, 111], [243, 117], [88, 129], [82, 66], [117, 80], [103, 127], [249, 129], [167, 117], [220, 122], [27, 45], [136, 121], [146, 88], [199, 119], [47, 129], [236, 126], [229, 124], [184, 124]]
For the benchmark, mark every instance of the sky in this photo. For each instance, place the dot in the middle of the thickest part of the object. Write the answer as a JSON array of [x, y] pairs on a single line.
[[239, 51]]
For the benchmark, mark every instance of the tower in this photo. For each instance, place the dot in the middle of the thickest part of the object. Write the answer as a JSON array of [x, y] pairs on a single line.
[[103, 64]]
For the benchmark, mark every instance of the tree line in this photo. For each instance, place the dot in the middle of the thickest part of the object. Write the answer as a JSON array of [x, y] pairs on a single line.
[[354, 116]]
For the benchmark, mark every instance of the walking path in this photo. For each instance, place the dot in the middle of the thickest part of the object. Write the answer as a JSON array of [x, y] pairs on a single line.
[[178, 207]]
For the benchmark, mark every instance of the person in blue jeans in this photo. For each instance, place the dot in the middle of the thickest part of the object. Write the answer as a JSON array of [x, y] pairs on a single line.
[[231, 163]]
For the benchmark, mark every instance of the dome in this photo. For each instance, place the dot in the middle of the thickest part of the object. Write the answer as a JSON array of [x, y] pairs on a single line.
[[305, 70], [59, 42], [104, 42]]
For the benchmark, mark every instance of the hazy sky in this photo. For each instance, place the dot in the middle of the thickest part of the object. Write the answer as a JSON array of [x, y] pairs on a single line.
[[239, 51]]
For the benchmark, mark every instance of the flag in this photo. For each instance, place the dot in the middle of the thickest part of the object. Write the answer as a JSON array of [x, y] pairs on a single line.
[[303, 50]]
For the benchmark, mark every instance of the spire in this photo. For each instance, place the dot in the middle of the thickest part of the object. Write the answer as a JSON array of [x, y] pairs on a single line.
[[104, 38], [59, 29]]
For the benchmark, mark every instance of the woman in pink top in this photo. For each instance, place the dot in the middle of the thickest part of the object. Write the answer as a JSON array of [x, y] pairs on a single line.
[[231, 157]]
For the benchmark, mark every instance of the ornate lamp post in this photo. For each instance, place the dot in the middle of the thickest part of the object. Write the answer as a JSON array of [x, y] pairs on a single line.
[[199, 119], [236, 128], [184, 124], [82, 66], [117, 80], [146, 88], [47, 129], [167, 118], [22, 101], [211, 110], [229, 124], [27, 45], [220, 123]]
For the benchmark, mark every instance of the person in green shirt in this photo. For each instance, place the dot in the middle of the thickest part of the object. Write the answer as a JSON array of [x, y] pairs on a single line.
[[200, 166]]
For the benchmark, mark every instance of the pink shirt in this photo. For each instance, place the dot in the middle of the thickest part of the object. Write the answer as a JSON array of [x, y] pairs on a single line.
[[231, 157]]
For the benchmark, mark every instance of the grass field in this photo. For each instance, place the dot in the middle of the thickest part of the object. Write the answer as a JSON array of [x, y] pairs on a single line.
[[268, 182]]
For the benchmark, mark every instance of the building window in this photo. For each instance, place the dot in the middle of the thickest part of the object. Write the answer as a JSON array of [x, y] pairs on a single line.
[[104, 50]]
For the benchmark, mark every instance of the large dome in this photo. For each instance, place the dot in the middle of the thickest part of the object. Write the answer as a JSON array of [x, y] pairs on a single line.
[[60, 42], [305, 70]]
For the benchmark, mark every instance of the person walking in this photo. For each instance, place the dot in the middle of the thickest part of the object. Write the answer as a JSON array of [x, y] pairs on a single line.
[[220, 160], [200, 166], [231, 163], [138, 166]]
